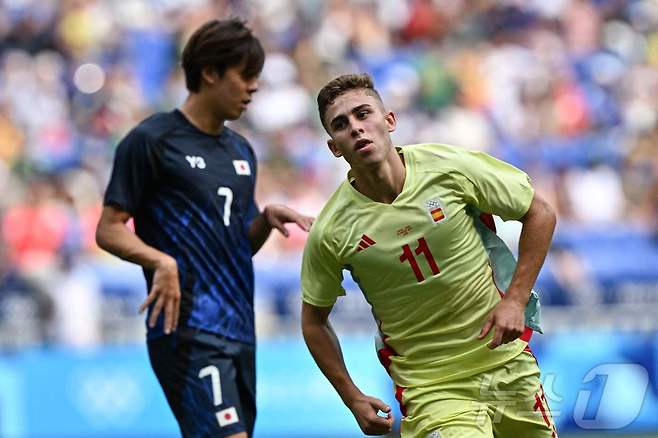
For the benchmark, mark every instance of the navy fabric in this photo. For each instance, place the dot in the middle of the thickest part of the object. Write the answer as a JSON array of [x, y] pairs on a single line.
[[184, 364], [176, 182]]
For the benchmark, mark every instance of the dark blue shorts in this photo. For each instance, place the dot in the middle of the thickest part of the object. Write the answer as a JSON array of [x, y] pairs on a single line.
[[209, 382]]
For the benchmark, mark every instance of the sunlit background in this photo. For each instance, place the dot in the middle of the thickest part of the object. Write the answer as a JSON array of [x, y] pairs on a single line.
[[565, 89]]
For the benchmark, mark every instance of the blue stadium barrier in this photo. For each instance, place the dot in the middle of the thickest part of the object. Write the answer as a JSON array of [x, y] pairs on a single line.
[[604, 382]]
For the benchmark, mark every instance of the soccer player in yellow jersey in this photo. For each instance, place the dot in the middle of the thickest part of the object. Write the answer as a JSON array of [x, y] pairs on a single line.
[[407, 224]]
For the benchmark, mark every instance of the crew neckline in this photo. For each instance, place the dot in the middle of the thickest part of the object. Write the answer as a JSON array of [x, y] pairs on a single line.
[[408, 164], [187, 121]]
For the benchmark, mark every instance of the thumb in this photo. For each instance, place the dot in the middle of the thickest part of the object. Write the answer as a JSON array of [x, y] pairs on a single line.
[[377, 403], [487, 327]]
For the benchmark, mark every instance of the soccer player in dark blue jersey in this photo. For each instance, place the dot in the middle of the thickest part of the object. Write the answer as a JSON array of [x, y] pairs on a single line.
[[188, 182]]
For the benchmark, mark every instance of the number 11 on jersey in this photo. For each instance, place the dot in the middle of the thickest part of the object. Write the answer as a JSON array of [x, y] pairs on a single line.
[[422, 248]]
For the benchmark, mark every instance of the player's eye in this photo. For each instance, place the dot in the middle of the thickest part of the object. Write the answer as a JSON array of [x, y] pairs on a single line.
[[338, 126], [362, 114]]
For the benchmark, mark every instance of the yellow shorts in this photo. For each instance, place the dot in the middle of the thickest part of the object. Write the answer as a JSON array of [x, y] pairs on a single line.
[[505, 402]]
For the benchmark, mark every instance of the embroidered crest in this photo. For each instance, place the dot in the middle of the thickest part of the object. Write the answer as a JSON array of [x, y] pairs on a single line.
[[435, 210]]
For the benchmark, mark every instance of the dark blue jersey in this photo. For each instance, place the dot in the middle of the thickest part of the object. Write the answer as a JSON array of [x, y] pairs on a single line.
[[192, 196]]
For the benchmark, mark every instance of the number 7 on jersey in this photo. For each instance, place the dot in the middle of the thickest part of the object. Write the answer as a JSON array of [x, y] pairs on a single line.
[[228, 193]]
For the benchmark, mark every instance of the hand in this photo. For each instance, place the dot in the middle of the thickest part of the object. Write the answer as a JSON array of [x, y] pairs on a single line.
[[365, 410], [508, 322], [277, 215], [165, 291]]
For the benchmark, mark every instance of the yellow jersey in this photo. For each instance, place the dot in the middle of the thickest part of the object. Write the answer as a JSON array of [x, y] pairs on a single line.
[[419, 260]]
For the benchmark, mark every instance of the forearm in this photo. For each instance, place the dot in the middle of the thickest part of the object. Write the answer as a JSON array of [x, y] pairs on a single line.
[[117, 239], [259, 231], [325, 349], [535, 240]]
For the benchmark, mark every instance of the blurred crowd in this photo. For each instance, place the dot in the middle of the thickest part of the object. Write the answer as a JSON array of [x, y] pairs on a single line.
[[565, 89]]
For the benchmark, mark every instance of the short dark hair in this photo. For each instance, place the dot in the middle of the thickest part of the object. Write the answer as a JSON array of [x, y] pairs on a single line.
[[340, 85], [221, 44]]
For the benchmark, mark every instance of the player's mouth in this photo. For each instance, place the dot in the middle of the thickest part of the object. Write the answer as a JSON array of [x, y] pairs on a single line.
[[361, 144], [245, 103]]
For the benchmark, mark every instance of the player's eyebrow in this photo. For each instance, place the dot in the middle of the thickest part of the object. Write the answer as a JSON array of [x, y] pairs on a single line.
[[354, 110]]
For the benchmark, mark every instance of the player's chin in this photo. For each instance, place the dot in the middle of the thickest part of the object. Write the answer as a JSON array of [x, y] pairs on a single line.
[[235, 115]]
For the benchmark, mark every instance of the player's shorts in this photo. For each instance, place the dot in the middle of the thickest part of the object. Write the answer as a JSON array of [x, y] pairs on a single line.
[[209, 382], [507, 401]]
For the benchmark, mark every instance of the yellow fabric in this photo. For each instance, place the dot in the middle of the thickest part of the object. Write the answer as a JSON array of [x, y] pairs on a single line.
[[506, 402], [430, 319]]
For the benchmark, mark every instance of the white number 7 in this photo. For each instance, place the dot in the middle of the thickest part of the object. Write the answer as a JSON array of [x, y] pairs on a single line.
[[225, 191], [213, 372]]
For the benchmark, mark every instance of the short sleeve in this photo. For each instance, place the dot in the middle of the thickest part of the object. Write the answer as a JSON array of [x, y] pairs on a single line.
[[134, 171], [494, 186], [252, 209], [322, 274]]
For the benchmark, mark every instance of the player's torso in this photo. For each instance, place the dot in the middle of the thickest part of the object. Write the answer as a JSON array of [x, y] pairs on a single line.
[[197, 212], [419, 261], [204, 178]]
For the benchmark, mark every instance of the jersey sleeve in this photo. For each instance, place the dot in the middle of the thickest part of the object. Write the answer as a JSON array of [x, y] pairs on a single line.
[[494, 186], [252, 209], [133, 173], [322, 273]]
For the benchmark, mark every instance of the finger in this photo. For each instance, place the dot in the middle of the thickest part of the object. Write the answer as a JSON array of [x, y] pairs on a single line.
[[511, 335], [304, 222], [380, 405], [486, 328], [497, 338], [168, 316], [147, 302], [380, 425], [279, 226], [176, 312], [155, 313]]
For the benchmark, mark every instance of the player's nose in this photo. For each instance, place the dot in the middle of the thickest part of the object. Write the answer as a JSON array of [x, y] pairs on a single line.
[[252, 86], [356, 129]]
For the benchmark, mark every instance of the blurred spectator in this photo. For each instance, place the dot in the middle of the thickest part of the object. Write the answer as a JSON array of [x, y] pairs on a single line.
[[567, 90]]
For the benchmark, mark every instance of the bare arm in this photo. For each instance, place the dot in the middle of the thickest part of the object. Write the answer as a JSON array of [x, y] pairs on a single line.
[[275, 216], [536, 234], [115, 237], [507, 318], [323, 344]]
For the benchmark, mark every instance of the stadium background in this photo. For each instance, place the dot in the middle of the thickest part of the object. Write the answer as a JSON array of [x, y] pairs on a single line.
[[565, 89]]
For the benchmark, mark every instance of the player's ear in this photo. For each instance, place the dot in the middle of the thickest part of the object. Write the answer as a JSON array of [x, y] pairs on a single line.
[[390, 121], [333, 148], [209, 75]]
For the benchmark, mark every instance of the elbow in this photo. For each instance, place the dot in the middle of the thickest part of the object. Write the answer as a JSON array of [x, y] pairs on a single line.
[[541, 211], [102, 239], [548, 213]]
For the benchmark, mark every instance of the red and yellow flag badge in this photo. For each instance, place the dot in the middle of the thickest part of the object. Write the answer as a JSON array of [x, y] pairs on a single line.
[[435, 210]]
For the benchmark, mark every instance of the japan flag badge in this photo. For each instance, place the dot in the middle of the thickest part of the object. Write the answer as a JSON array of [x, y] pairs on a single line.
[[228, 416], [242, 167]]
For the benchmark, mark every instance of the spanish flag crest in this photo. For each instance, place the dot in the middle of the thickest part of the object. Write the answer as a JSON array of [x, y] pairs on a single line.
[[436, 211]]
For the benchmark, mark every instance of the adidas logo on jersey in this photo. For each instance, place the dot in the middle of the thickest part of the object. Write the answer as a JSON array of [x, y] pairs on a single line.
[[366, 242]]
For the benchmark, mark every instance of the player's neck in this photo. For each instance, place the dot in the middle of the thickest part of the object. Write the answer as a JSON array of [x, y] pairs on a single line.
[[196, 111], [383, 183]]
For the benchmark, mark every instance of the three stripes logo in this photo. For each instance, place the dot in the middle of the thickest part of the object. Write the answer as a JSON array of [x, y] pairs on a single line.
[[366, 242]]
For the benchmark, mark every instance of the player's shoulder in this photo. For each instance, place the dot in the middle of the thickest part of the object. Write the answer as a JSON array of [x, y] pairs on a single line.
[[439, 156], [237, 140], [153, 128], [337, 210], [435, 150]]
